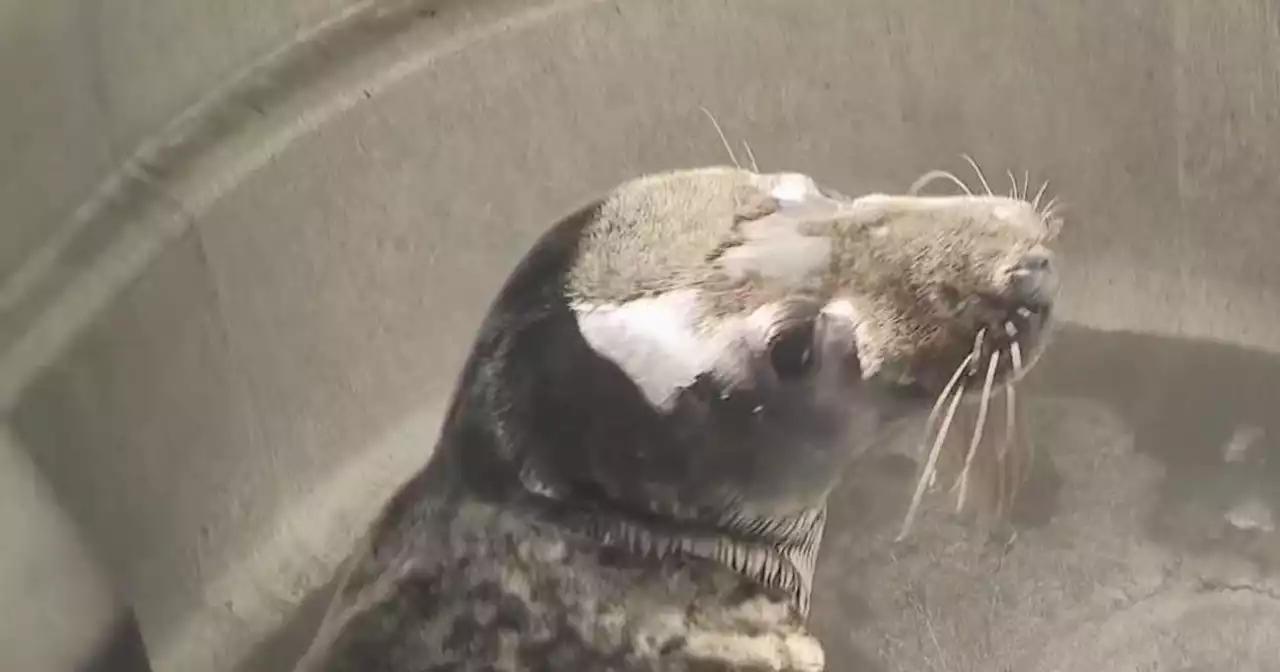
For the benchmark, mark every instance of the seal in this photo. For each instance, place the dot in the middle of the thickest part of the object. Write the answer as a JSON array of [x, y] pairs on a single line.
[[633, 471]]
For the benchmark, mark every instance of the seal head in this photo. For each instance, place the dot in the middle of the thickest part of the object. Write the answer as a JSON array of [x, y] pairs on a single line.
[[702, 352]]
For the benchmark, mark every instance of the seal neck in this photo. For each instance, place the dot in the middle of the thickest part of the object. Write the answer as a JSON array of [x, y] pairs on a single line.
[[779, 554]]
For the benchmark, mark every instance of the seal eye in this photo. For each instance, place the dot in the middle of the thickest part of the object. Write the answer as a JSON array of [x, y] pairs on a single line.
[[791, 350]]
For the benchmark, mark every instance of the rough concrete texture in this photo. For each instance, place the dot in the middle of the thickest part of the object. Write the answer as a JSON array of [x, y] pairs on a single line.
[[1146, 543], [237, 357]]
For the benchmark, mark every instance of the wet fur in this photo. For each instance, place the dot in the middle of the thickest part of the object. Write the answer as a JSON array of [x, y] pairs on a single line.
[[535, 540]]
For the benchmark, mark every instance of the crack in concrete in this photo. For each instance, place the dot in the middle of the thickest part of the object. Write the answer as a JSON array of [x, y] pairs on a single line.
[[1205, 585]]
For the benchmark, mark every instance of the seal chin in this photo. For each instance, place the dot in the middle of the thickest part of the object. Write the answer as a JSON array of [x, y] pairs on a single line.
[[1016, 323], [1018, 342], [998, 353], [995, 339]]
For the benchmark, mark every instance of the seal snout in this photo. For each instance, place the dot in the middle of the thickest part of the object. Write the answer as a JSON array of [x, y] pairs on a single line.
[[1034, 280]]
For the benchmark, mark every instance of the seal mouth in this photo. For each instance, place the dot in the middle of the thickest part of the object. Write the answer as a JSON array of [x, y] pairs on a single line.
[[1012, 344], [1004, 349], [1008, 338]]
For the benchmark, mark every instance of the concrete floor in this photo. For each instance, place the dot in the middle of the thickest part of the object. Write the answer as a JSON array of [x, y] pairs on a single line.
[[1142, 545], [225, 360]]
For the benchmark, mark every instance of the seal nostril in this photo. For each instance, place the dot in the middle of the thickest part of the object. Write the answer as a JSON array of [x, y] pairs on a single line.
[[1034, 279]]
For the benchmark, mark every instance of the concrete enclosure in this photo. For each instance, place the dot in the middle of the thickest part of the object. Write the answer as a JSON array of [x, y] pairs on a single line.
[[245, 245]]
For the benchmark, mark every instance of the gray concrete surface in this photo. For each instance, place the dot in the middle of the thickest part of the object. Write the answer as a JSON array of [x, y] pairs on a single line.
[[89, 82], [46, 571], [224, 365]]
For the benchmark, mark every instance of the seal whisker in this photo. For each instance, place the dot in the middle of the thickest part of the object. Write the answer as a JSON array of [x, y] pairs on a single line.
[[1035, 204], [976, 352], [932, 175], [1048, 207], [725, 141], [755, 167], [1002, 465], [983, 403], [942, 398], [1015, 355], [1013, 184], [1054, 224], [1051, 211], [1050, 217], [931, 466], [1009, 430], [1026, 184], [982, 178]]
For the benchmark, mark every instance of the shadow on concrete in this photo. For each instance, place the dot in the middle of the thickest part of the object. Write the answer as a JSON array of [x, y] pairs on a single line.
[[281, 651], [123, 651], [1187, 403]]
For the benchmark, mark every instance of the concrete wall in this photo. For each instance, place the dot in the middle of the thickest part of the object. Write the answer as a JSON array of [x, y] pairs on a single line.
[[88, 82], [227, 357], [59, 603]]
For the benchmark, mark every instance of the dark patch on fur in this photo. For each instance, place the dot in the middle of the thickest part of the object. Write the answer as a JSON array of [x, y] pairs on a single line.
[[466, 570]]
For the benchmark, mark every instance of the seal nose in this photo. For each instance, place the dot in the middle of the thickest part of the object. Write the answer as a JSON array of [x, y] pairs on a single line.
[[1034, 281]]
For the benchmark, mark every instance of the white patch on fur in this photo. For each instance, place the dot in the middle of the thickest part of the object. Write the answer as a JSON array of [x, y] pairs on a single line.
[[768, 651], [842, 308], [793, 187], [761, 319], [654, 340], [787, 257], [845, 311], [870, 201], [1010, 212]]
